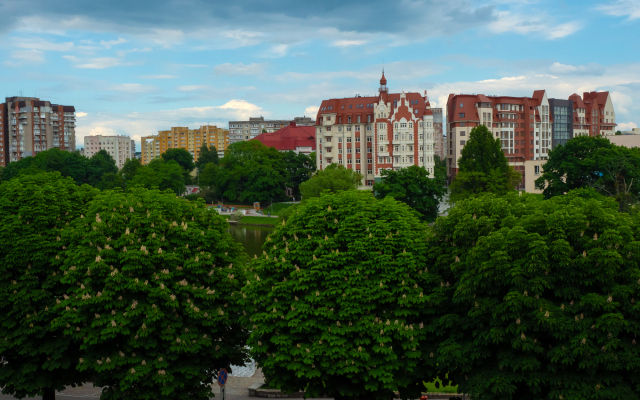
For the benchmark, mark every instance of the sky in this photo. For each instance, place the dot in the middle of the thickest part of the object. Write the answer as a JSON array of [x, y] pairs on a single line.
[[136, 67]]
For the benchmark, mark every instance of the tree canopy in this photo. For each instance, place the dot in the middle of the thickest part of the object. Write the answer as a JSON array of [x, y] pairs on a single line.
[[593, 162], [207, 155], [483, 167], [251, 171], [181, 156], [535, 299], [336, 299], [34, 209], [333, 178], [414, 187], [160, 174], [300, 168], [153, 288], [98, 165]]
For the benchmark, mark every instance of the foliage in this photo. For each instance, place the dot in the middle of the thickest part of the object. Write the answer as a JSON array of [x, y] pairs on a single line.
[[162, 175], [207, 176], [130, 169], [192, 197], [33, 210], [111, 181], [618, 133], [154, 287], [535, 299], [338, 298], [334, 178], [236, 216], [593, 162], [207, 155], [440, 169], [300, 168], [483, 167], [251, 171], [99, 164], [412, 186], [181, 156], [286, 213]]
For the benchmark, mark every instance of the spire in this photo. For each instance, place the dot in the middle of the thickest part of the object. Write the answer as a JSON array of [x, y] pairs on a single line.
[[383, 80]]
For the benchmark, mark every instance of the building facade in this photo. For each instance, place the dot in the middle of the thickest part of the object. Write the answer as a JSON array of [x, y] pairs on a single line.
[[439, 145], [247, 130], [121, 148], [30, 126], [370, 134], [561, 112], [299, 139], [593, 114], [184, 138]]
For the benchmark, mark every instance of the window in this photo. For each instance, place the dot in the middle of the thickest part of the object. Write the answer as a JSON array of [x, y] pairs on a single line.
[[536, 170], [349, 139], [358, 127], [328, 118], [349, 118], [369, 139], [381, 137], [462, 142], [369, 171], [357, 139], [380, 126], [357, 150], [395, 125], [339, 140], [403, 125], [461, 105], [381, 148], [395, 137], [369, 150], [463, 133], [357, 161], [349, 160], [328, 128], [349, 150], [421, 137]]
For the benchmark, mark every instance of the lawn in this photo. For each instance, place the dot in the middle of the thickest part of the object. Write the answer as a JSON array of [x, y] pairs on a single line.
[[277, 208], [431, 387], [256, 220]]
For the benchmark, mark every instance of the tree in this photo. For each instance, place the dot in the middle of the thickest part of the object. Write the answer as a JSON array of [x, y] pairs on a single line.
[[300, 168], [539, 298], [67, 163], [593, 162], [333, 178], [162, 175], [111, 181], [207, 177], [618, 133], [440, 169], [336, 299], [99, 164], [39, 359], [483, 167], [154, 287], [130, 168], [251, 171], [207, 156], [412, 186], [181, 156]]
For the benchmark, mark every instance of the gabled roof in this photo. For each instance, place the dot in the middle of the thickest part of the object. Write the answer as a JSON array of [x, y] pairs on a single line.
[[538, 95], [290, 137]]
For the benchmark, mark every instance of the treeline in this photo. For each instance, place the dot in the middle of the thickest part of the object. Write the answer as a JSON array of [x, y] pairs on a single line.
[[147, 295]]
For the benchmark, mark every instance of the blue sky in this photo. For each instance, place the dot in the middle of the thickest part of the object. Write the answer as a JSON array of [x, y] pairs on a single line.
[[137, 67]]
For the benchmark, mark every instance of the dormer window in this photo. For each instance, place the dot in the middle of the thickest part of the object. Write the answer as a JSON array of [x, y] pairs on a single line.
[[350, 106]]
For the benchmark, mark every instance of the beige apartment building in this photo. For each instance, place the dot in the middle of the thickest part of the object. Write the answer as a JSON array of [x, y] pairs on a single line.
[[247, 130], [121, 147], [184, 138], [29, 125]]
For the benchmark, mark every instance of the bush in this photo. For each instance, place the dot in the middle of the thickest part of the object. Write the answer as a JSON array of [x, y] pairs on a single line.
[[237, 216], [154, 288], [337, 297]]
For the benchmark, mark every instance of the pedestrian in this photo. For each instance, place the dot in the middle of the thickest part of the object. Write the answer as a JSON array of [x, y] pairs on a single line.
[[268, 213]]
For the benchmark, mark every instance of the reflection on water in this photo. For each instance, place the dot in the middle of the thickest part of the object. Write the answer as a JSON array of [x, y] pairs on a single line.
[[251, 237]]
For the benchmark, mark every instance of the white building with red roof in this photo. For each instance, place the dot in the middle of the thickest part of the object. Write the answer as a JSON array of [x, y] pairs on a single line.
[[370, 134], [300, 139]]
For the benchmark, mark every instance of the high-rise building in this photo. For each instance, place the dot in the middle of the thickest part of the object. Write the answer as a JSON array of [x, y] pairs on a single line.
[[30, 125], [184, 138], [246, 130], [121, 148], [437, 133], [370, 134]]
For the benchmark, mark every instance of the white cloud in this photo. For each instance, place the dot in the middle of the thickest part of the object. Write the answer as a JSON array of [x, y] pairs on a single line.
[[345, 43], [191, 88], [542, 25], [239, 69], [81, 114], [25, 57], [626, 126], [97, 63], [622, 8], [622, 102], [132, 88], [312, 110], [108, 43], [241, 38], [41, 44], [158, 77], [122, 53], [277, 51], [166, 38], [589, 69]]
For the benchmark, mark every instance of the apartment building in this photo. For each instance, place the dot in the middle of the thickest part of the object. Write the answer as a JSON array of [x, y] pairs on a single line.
[[184, 138], [246, 130], [528, 127], [299, 139], [30, 125], [370, 134], [120, 147], [439, 145]]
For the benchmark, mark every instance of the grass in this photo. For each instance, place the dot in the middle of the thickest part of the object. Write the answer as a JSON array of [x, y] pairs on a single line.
[[431, 387], [255, 220], [277, 208]]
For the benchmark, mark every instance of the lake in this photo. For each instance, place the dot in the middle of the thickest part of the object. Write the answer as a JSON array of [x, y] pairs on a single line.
[[251, 237]]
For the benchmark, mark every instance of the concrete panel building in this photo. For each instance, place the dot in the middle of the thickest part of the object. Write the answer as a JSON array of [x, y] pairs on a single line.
[[30, 125], [247, 130], [184, 138], [373, 133], [121, 148]]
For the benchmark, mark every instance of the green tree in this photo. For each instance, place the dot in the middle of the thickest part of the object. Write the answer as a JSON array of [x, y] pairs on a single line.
[[593, 162], [38, 358], [111, 180], [336, 299], [333, 178], [207, 177], [181, 156], [300, 168], [618, 133], [99, 164], [70, 164], [412, 186], [130, 169], [162, 175], [440, 169], [535, 299], [154, 288], [251, 171], [483, 167], [207, 155]]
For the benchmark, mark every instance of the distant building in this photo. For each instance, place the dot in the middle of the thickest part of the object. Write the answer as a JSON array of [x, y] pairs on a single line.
[[246, 130], [375, 133], [138, 155], [593, 114], [633, 131], [184, 138], [561, 116], [438, 136], [121, 148], [630, 141], [29, 126], [300, 139]]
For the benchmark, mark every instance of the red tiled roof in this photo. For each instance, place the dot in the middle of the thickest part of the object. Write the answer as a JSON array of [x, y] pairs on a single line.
[[577, 101], [290, 137]]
